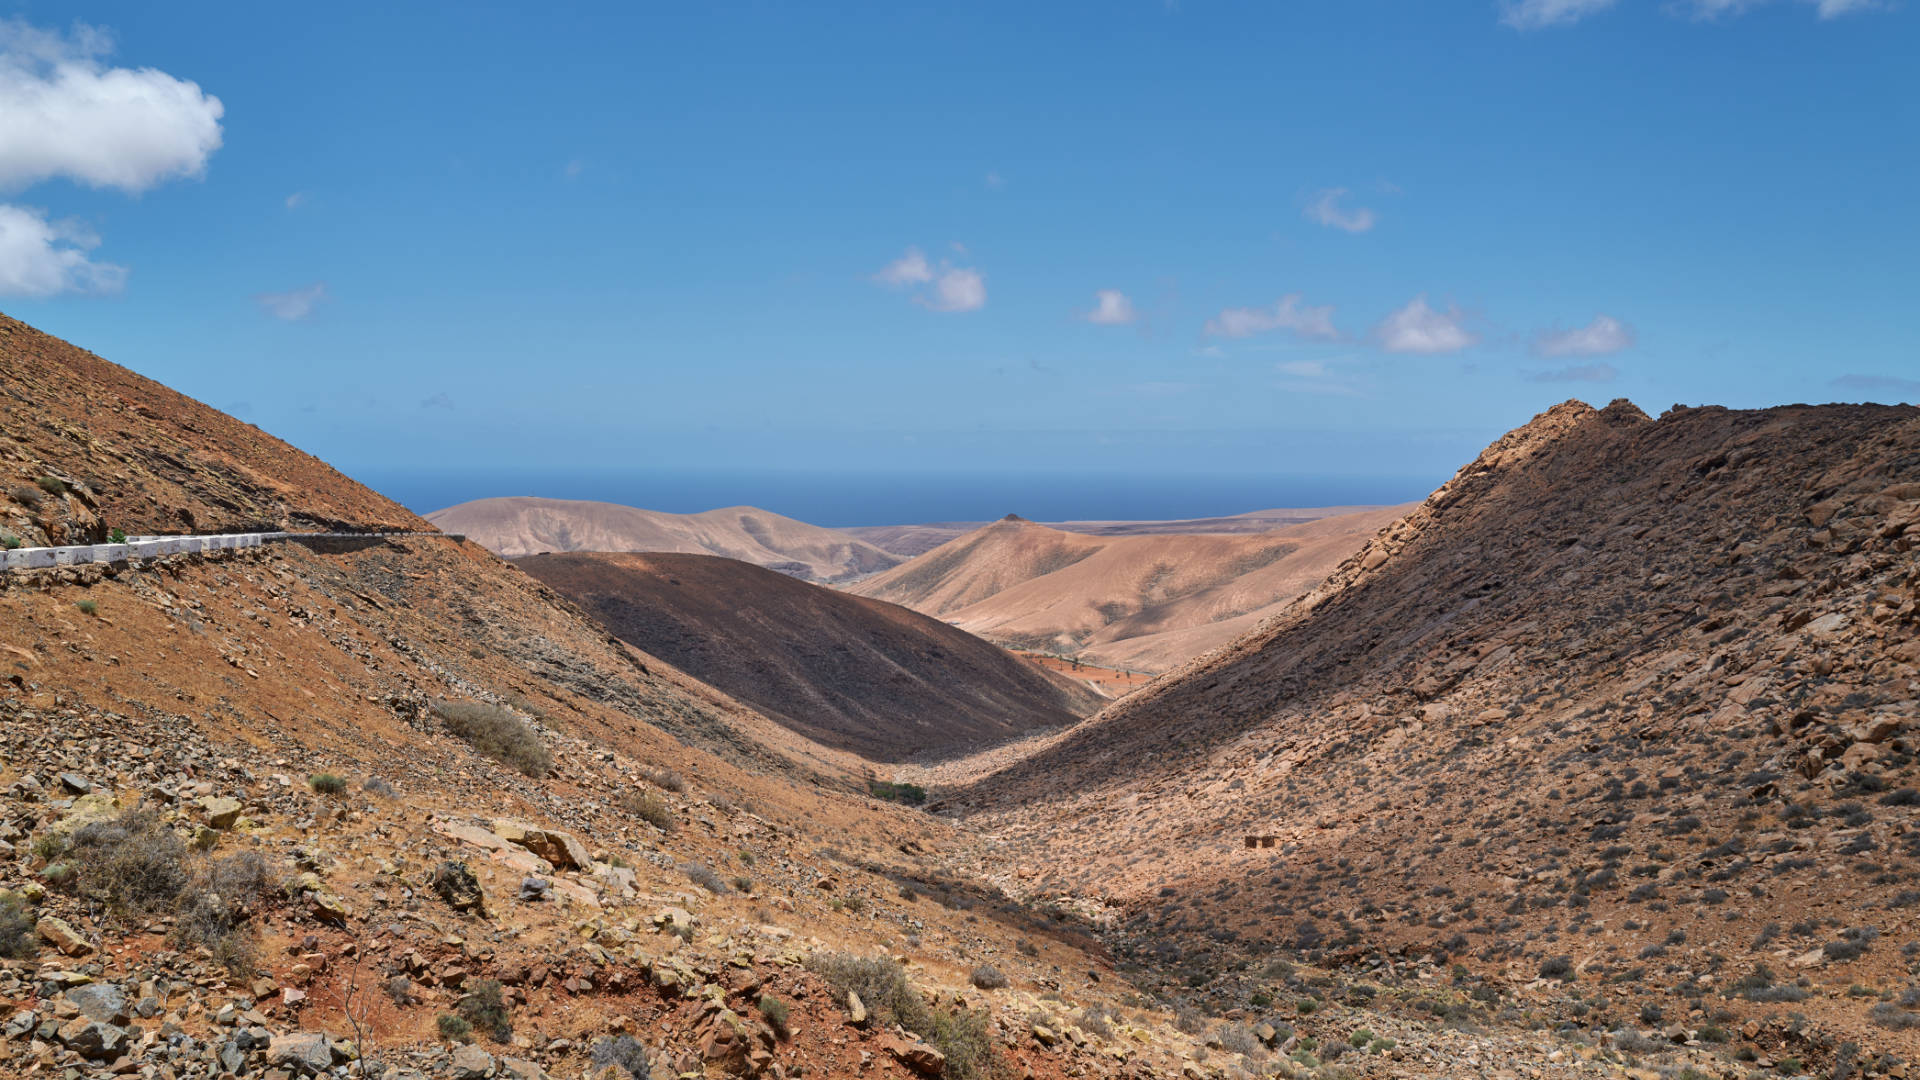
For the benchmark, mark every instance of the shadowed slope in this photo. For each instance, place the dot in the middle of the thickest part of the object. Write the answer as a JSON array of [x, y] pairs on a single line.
[[850, 672]]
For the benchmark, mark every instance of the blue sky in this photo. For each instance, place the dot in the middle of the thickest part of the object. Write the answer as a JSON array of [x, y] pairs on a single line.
[[1077, 240]]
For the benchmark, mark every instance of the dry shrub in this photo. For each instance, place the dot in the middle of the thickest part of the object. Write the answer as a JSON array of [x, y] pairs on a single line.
[[495, 731]]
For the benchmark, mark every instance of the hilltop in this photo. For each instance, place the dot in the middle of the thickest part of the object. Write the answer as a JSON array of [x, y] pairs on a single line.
[[1143, 601], [521, 525], [1620, 721], [911, 540], [852, 673], [88, 446]]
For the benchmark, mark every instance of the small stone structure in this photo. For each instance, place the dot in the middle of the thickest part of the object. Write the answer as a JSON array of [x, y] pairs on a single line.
[[1262, 841]]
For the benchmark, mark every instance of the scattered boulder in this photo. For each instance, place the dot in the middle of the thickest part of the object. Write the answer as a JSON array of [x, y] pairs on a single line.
[[61, 935]]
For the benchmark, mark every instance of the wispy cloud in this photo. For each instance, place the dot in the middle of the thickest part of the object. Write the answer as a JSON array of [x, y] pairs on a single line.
[[1325, 209], [1305, 369], [1418, 328], [441, 400], [911, 268], [995, 181], [948, 287], [1878, 383], [294, 304], [1288, 313], [39, 257], [296, 200], [574, 168], [1708, 10], [1592, 373], [1604, 336], [956, 289], [1111, 308], [1539, 14]]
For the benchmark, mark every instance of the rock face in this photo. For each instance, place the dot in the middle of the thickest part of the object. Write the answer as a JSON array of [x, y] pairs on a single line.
[[60, 935], [558, 848], [1617, 672]]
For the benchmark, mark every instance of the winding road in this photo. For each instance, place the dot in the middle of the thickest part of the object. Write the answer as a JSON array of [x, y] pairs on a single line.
[[140, 548]]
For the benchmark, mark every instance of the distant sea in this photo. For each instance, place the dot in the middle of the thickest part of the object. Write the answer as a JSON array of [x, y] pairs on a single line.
[[843, 499]]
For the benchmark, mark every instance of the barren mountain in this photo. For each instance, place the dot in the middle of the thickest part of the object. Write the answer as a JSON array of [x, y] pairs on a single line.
[[1622, 719], [267, 812], [522, 525], [87, 446], [1143, 602], [910, 540], [861, 675]]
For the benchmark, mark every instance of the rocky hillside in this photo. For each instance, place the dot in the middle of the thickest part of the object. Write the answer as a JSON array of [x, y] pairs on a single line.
[[521, 525], [861, 675], [87, 446], [1621, 721], [1137, 601]]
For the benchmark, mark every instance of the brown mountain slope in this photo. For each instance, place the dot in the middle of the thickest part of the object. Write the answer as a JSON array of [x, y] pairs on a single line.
[[1641, 695], [301, 829], [1144, 602], [137, 456], [522, 525], [850, 672]]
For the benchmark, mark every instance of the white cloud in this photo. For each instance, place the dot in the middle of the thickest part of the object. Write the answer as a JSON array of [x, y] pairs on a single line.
[[1708, 10], [1597, 373], [296, 200], [995, 181], [575, 168], [957, 289], [1875, 383], [1286, 314], [295, 304], [1111, 308], [39, 257], [911, 268], [64, 113], [951, 288], [1604, 336], [1305, 369], [1418, 328], [1326, 210], [1537, 14]]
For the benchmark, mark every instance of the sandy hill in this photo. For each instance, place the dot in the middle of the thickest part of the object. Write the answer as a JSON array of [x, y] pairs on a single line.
[[1139, 601], [521, 525], [870, 677], [1625, 711], [910, 540], [265, 810]]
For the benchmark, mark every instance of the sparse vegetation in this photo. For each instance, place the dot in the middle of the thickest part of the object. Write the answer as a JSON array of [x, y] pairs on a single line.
[[453, 1027], [665, 779], [964, 1036], [88, 607], [987, 977], [649, 808], [327, 783], [911, 794], [775, 1010], [495, 731], [623, 1050], [52, 485], [17, 938], [485, 1010]]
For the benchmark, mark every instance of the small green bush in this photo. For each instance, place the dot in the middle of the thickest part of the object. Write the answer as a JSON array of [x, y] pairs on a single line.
[[17, 938], [9, 541], [495, 731], [622, 1050], [88, 607], [486, 1010], [52, 485], [742, 884], [775, 1010], [133, 864], [116, 536], [964, 1036], [454, 1028], [987, 977], [650, 808], [911, 794], [327, 783], [702, 875], [665, 779]]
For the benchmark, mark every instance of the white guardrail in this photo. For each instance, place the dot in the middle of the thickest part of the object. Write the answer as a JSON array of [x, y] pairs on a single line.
[[137, 548]]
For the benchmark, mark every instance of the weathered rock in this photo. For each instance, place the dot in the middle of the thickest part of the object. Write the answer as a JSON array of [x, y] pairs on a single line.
[[472, 1063], [93, 1040], [104, 1002], [59, 934], [221, 812], [856, 1010], [916, 1055], [558, 848], [302, 1051]]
